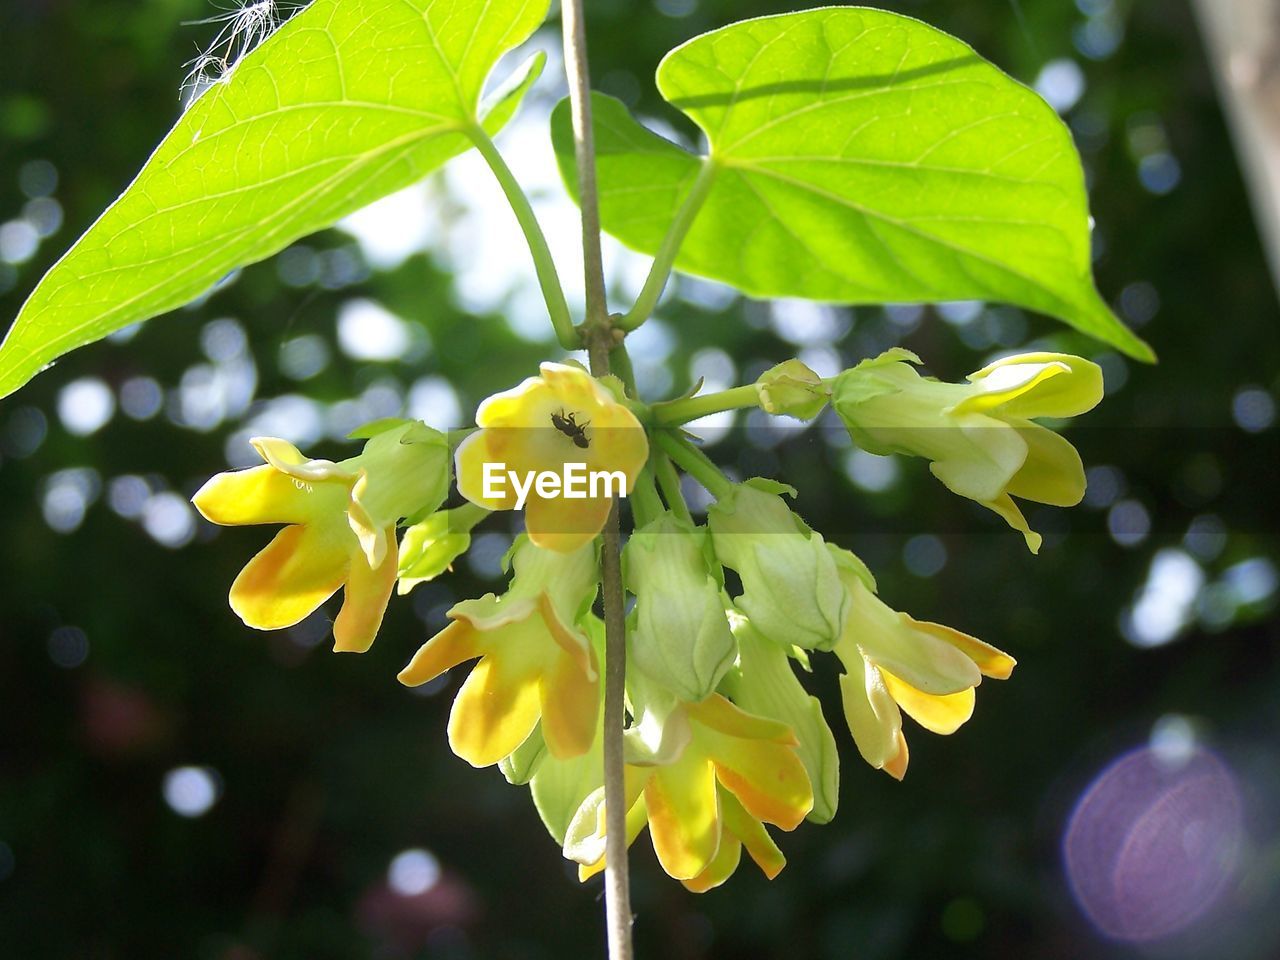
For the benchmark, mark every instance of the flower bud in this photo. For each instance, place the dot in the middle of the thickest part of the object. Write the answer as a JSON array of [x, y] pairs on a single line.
[[792, 389], [680, 637], [428, 549], [402, 472], [791, 588]]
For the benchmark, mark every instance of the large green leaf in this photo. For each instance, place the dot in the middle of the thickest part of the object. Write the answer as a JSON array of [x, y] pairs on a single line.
[[857, 156], [349, 101]]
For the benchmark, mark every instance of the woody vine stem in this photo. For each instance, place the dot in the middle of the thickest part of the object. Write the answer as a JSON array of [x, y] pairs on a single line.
[[598, 335]]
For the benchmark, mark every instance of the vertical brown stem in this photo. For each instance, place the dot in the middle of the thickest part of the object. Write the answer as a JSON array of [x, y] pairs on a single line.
[[598, 334]]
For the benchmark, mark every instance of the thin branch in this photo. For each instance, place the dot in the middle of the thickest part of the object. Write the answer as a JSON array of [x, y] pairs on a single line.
[[579, 73], [599, 337]]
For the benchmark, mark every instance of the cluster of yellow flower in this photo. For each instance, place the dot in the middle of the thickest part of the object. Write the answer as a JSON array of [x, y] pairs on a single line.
[[723, 739]]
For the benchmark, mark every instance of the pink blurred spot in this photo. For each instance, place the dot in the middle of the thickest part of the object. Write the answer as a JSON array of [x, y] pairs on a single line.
[[1152, 844]]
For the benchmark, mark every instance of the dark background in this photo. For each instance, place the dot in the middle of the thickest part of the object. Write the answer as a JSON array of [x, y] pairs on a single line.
[[120, 661]]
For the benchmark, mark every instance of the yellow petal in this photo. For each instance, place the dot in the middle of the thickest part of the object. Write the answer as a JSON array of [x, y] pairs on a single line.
[[510, 408], [753, 835], [265, 495], [469, 461], [944, 714], [721, 715], [570, 707], [873, 717], [893, 640], [295, 573], [684, 815], [496, 709], [1052, 472], [720, 868], [573, 642], [991, 662], [373, 538], [286, 458], [448, 648], [1006, 508], [365, 601], [981, 455], [565, 525], [896, 767], [768, 778], [1039, 385]]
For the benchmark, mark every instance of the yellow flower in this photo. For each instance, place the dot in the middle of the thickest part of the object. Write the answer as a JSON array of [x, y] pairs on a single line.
[[894, 661], [341, 526], [536, 662], [979, 435], [518, 432], [721, 775]]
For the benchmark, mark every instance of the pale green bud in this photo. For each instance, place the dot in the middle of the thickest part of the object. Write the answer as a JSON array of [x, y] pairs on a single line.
[[520, 766], [793, 390], [680, 637], [791, 587], [570, 580], [428, 549], [406, 472]]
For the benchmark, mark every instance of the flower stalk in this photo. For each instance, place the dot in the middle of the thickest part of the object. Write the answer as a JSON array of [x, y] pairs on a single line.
[[544, 264], [599, 337], [660, 271], [694, 462], [691, 408]]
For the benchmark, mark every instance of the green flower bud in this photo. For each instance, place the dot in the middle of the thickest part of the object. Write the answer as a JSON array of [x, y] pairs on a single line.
[[406, 472], [793, 390], [791, 586], [402, 472], [428, 549], [764, 683], [680, 637], [520, 766]]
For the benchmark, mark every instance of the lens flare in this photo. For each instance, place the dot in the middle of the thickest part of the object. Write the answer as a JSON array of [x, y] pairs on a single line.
[[1153, 843]]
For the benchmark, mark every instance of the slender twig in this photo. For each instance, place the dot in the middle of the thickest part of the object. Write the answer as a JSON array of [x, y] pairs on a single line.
[[665, 258], [544, 264], [599, 338]]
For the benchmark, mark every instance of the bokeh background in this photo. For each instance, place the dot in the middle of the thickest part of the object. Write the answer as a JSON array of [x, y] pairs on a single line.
[[173, 784]]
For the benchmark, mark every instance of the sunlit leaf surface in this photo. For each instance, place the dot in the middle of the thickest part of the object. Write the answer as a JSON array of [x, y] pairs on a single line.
[[861, 157], [349, 101]]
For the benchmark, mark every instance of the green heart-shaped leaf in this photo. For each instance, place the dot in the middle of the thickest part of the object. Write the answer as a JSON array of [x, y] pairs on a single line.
[[857, 156], [349, 101]]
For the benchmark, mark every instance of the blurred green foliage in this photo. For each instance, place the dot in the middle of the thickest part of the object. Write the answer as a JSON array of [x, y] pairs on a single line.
[[120, 661]]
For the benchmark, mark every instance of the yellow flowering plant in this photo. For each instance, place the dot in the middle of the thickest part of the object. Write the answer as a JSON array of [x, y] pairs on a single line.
[[686, 714]]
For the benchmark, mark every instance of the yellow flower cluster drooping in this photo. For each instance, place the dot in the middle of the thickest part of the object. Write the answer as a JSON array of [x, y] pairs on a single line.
[[723, 740]]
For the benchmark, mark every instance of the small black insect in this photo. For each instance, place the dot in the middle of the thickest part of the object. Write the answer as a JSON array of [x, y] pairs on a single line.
[[569, 426]]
